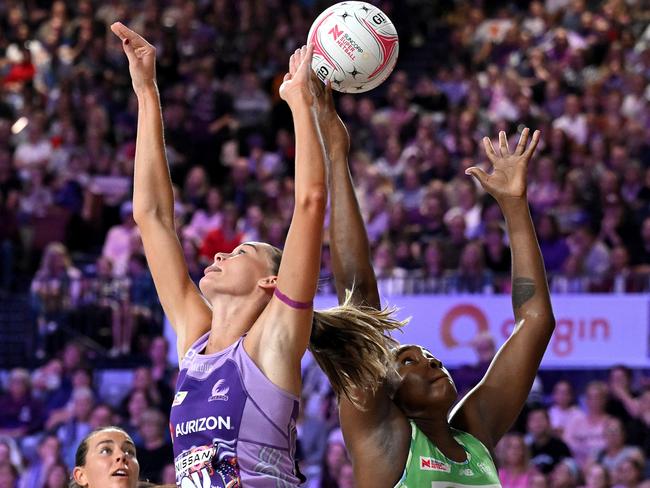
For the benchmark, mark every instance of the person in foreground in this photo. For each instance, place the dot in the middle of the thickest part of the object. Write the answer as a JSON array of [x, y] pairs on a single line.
[[407, 419], [240, 338], [105, 458]]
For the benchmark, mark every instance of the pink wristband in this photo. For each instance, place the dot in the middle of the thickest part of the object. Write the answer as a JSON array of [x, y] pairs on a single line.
[[292, 303]]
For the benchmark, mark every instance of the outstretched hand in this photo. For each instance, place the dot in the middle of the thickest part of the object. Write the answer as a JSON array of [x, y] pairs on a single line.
[[335, 135], [508, 177], [298, 86], [141, 56]]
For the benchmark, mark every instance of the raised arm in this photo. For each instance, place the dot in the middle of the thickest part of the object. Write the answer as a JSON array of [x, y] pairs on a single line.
[[153, 202], [489, 410], [280, 337], [350, 250]]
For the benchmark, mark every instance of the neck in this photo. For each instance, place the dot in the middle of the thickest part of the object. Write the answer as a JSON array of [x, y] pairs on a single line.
[[439, 432], [232, 317]]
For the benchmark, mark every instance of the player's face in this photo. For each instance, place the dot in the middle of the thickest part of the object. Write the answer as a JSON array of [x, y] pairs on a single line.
[[238, 272], [426, 388], [111, 462]]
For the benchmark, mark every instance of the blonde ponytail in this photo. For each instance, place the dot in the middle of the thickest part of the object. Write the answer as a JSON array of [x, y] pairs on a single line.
[[352, 346]]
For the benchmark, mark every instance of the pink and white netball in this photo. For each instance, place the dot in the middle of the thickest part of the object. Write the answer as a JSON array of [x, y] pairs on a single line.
[[355, 46]]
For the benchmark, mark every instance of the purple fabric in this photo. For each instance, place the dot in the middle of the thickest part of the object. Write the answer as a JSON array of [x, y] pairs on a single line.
[[231, 426], [293, 303]]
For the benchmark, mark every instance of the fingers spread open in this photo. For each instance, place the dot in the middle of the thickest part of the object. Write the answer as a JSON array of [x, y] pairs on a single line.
[[523, 140], [489, 149], [533, 144], [503, 144]]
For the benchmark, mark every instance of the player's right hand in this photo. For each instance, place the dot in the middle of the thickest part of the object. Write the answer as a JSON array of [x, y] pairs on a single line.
[[141, 56]]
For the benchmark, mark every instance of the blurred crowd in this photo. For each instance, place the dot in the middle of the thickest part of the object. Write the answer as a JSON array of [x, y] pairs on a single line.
[[576, 69]]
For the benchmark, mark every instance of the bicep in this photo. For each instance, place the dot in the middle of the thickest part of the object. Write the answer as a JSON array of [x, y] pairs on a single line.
[[183, 304]]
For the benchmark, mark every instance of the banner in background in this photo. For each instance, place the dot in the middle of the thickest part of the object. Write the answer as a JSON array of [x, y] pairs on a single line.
[[592, 330]]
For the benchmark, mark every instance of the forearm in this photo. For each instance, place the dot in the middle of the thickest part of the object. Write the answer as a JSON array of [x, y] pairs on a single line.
[[152, 188], [310, 159], [350, 249], [530, 296]]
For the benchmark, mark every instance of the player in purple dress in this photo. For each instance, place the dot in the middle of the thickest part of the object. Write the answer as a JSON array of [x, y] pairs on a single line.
[[241, 338]]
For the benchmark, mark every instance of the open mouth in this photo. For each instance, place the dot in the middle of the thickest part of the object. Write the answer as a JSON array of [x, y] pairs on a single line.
[[120, 473]]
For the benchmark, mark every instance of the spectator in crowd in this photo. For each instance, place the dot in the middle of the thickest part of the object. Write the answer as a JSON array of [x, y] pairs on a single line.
[[468, 376], [546, 449], [155, 444], [596, 476], [76, 426], [616, 448], [20, 414], [515, 470], [57, 476], [121, 241], [566, 474], [49, 454], [8, 475], [585, 432], [55, 290]]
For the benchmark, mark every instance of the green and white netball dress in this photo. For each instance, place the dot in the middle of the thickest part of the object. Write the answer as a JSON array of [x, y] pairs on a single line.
[[427, 466]]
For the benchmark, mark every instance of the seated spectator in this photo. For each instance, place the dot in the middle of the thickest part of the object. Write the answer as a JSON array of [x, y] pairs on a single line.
[[585, 433], [553, 246], [73, 429], [10, 453], [161, 370], [20, 414], [566, 474], [619, 278], [497, 254], [155, 445], [596, 476], [471, 275], [571, 280], [467, 376], [8, 475], [49, 454], [57, 476], [546, 450], [224, 238], [621, 401], [628, 474], [55, 291], [122, 239], [205, 220], [515, 470], [143, 313], [616, 447], [639, 426], [336, 456]]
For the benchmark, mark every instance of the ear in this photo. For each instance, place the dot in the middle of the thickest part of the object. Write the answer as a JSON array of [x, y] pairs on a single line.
[[268, 283], [79, 476]]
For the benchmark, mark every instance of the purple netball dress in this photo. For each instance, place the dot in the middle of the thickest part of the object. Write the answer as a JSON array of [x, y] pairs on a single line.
[[231, 426]]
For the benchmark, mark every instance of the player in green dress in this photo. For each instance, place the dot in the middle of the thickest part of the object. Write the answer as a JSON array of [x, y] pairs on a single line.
[[404, 433]]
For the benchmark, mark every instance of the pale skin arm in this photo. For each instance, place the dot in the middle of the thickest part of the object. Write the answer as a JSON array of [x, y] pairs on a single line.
[[153, 202], [279, 338], [489, 410]]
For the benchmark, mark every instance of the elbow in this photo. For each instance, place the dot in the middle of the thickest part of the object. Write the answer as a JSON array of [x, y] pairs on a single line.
[[312, 201]]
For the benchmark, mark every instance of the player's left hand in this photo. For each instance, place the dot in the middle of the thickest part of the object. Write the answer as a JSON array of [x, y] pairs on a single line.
[[508, 177]]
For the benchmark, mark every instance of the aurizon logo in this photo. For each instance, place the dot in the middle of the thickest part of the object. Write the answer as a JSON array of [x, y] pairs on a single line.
[[336, 33], [203, 424]]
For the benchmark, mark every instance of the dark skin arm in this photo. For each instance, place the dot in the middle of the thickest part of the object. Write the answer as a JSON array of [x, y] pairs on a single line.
[[379, 430], [489, 410]]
